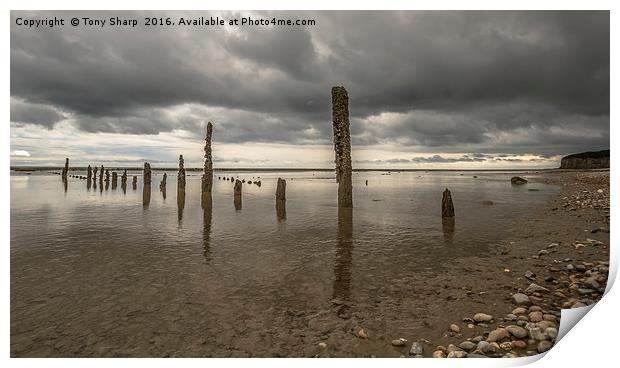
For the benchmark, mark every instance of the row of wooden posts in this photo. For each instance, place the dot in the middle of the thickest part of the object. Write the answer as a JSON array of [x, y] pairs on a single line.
[[342, 150]]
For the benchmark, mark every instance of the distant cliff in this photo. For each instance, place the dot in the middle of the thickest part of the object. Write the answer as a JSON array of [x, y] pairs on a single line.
[[586, 160]]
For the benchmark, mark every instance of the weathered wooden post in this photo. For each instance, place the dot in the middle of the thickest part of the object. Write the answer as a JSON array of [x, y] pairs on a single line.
[[65, 169], [114, 180], [181, 175], [89, 176], [107, 178], [146, 190], [342, 145], [124, 181], [447, 208], [101, 177], [237, 194], [134, 182], [281, 199], [162, 185], [207, 177], [95, 177], [181, 188]]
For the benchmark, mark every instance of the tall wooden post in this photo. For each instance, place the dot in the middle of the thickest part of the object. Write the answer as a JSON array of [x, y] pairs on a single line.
[[146, 190], [342, 145], [65, 169], [207, 177], [181, 175], [281, 200], [447, 208], [237, 198]]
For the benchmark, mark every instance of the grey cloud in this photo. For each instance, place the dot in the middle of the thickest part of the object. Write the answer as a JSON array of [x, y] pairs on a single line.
[[29, 113], [515, 81]]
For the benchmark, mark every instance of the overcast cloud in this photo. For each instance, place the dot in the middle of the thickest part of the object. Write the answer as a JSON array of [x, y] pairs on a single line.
[[533, 85]]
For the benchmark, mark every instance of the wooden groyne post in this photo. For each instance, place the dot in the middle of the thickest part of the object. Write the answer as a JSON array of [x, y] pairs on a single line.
[[281, 199], [181, 175], [146, 190], [447, 207], [114, 179], [207, 176], [237, 194], [162, 185], [134, 182], [95, 177], [342, 145], [101, 176], [124, 181], [65, 169]]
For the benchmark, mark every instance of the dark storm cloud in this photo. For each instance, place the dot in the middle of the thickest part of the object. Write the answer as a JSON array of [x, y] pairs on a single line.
[[27, 113], [517, 82]]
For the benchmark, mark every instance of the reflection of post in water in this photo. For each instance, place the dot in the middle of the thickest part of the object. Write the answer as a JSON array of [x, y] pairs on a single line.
[[180, 203], [65, 184], [162, 185], [207, 211], [447, 224], [344, 255]]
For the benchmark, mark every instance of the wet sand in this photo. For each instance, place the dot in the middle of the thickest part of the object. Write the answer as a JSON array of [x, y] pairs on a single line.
[[485, 285], [466, 286]]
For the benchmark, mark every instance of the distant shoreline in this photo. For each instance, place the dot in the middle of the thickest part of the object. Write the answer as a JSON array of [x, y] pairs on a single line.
[[80, 168]]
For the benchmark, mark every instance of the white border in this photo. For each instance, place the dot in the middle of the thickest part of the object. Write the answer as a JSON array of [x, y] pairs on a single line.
[[590, 343]]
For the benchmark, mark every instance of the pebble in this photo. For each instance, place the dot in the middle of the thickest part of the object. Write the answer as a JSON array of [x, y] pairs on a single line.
[[535, 288], [536, 333], [552, 332], [542, 252], [585, 291], [570, 267], [416, 348], [510, 317], [506, 346], [439, 354], [544, 346], [399, 342], [578, 305], [519, 310], [488, 347], [581, 268], [516, 331], [467, 345], [457, 354], [483, 317], [530, 275], [362, 334], [322, 345], [521, 299], [549, 279], [477, 339], [519, 344], [536, 316], [497, 335], [454, 328]]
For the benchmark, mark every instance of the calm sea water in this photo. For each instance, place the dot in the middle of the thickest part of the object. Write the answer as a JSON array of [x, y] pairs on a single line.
[[97, 272]]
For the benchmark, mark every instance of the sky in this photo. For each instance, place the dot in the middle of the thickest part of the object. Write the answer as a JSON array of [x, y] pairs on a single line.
[[439, 89]]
